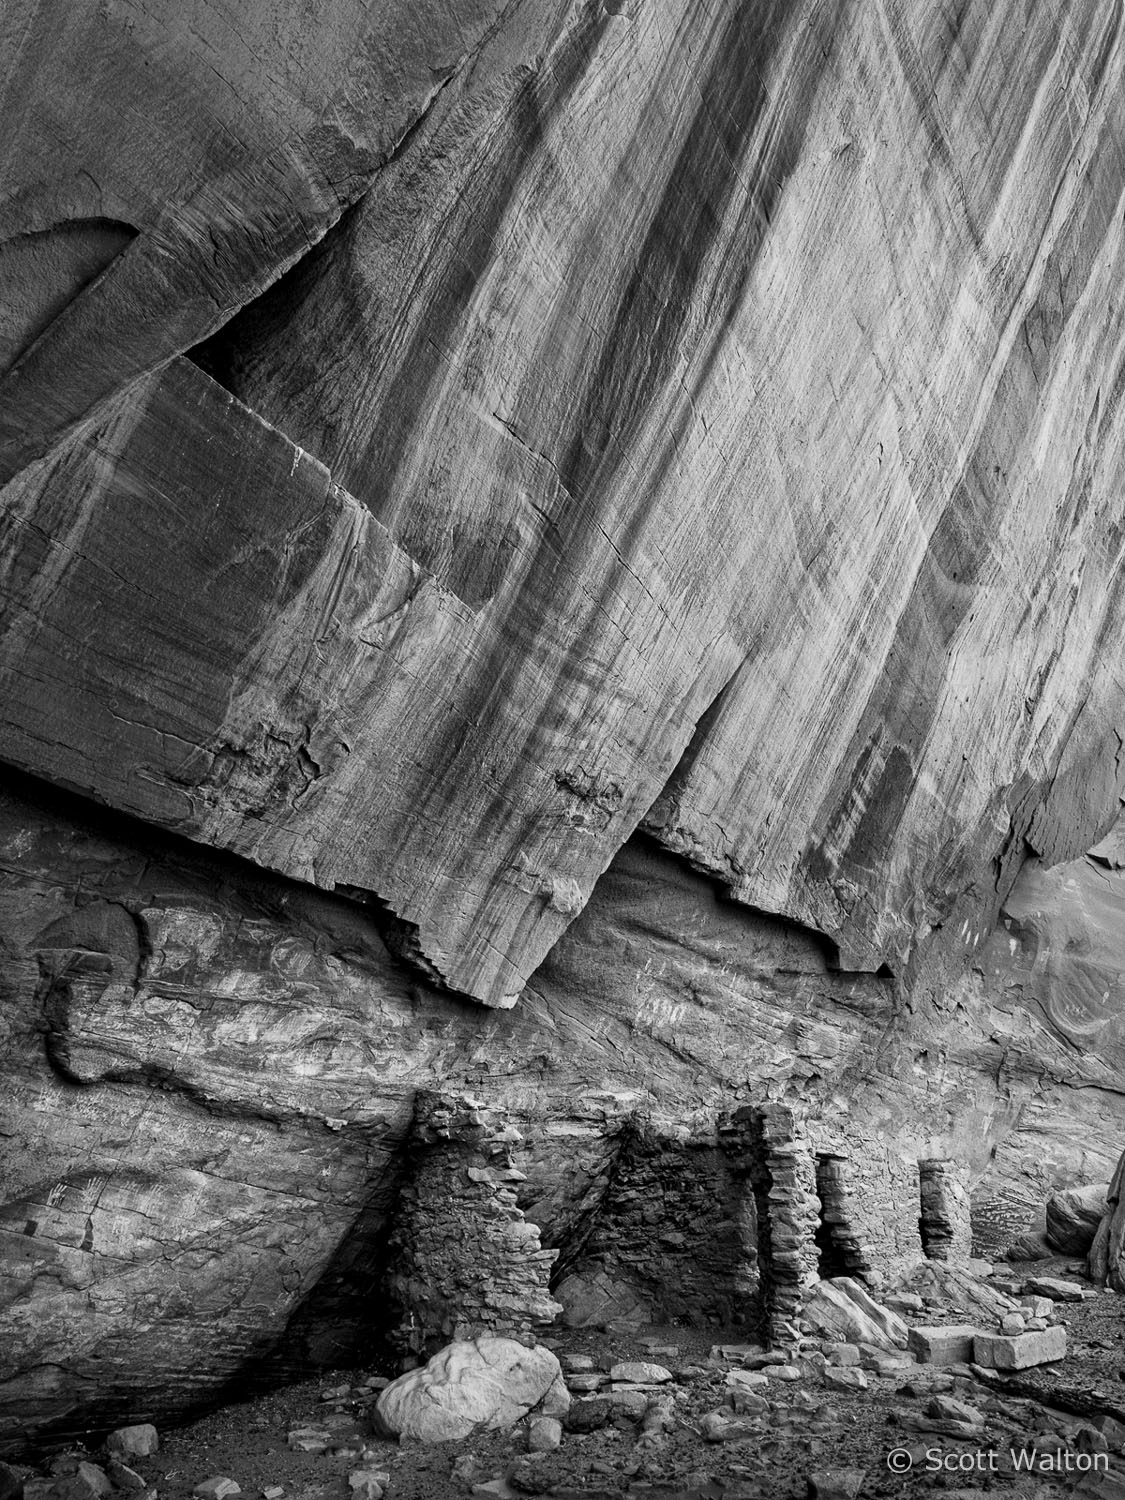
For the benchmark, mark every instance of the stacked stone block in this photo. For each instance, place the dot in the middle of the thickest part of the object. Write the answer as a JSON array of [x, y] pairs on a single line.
[[464, 1259], [794, 1214], [771, 1152], [944, 1221]]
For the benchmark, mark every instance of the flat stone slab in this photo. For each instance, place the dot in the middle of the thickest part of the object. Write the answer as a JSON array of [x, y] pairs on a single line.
[[1056, 1287], [626, 1399], [748, 1380], [998, 1352], [942, 1344], [640, 1372], [739, 1354]]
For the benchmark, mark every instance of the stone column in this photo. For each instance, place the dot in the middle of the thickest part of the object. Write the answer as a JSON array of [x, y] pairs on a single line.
[[944, 1222], [464, 1260], [769, 1148]]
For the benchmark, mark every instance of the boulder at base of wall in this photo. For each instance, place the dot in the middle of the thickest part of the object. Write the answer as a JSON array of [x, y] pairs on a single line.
[[1033, 1244], [475, 1383], [1073, 1217]]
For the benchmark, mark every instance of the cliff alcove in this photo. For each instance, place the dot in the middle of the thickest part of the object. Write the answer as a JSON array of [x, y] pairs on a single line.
[[560, 698]]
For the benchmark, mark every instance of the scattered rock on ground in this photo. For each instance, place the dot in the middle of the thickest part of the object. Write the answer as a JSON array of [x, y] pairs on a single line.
[[640, 1372], [588, 1415], [1033, 1245], [218, 1487], [946, 1408], [835, 1484], [123, 1477], [845, 1379], [1055, 1288], [721, 1427], [368, 1484], [544, 1434], [138, 1441]]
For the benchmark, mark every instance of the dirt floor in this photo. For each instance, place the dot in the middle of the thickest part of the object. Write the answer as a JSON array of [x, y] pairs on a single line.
[[1042, 1419]]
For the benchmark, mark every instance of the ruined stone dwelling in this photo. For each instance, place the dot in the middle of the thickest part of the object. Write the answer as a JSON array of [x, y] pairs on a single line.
[[561, 624]]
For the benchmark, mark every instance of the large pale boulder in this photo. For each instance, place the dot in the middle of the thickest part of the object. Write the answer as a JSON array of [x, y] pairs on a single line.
[[842, 1310], [474, 1384]]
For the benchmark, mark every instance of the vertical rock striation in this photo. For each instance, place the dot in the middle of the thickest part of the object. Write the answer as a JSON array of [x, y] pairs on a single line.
[[612, 440], [719, 425]]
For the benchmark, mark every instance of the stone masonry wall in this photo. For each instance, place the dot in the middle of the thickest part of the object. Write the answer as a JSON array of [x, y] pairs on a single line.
[[464, 1259], [883, 1202], [676, 1227], [770, 1150], [944, 1217]]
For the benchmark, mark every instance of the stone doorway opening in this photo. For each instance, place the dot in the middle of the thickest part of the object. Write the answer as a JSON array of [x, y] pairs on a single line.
[[677, 1230], [840, 1249], [715, 1228]]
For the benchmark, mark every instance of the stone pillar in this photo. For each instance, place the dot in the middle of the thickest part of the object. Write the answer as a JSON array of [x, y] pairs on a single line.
[[769, 1148], [464, 1260], [794, 1214], [944, 1219]]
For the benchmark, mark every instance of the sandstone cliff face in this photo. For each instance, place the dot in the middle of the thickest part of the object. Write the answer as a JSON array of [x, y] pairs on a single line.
[[729, 389], [697, 418]]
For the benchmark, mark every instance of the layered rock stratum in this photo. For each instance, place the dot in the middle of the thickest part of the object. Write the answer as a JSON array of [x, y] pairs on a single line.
[[568, 552]]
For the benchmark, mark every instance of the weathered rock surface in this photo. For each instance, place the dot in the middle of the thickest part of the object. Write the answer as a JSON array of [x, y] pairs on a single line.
[[592, 1298], [190, 156], [843, 1310], [1073, 1217], [485, 1383], [708, 420], [270, 1049], [139, 1441], [541, 436], [1039, 1347], [942, 1344]]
